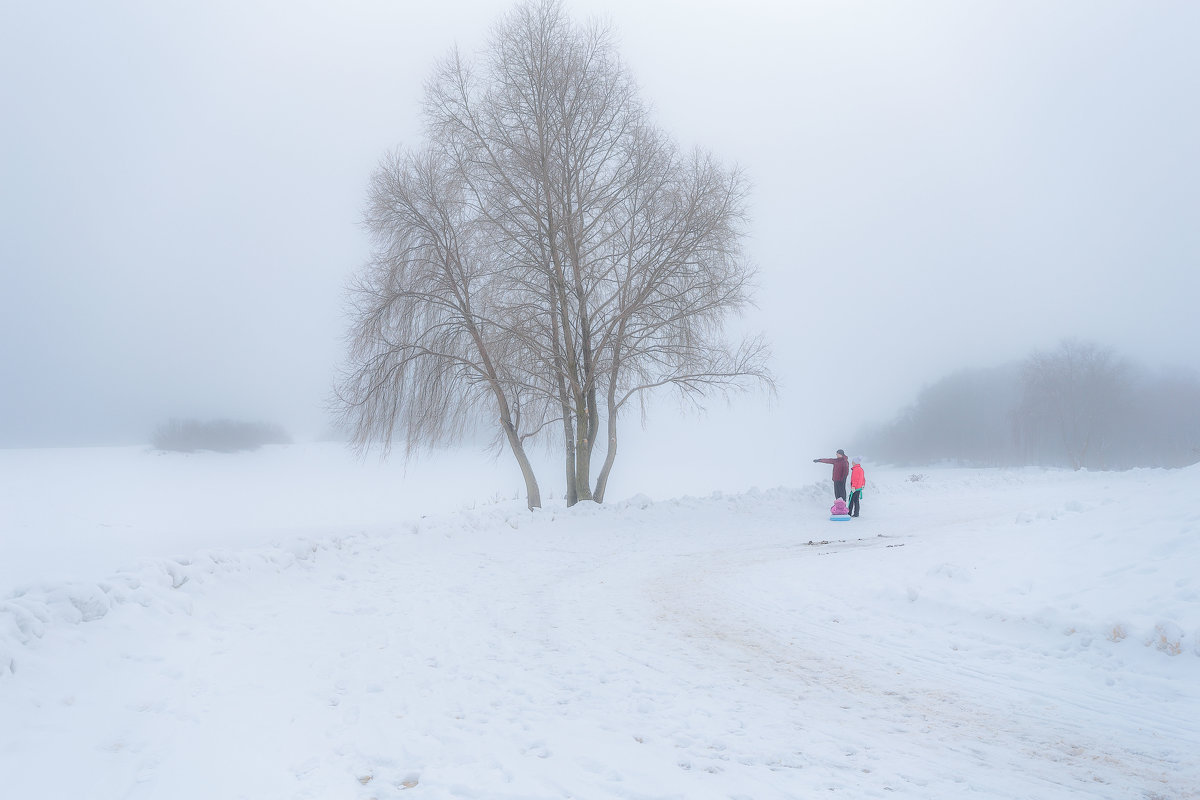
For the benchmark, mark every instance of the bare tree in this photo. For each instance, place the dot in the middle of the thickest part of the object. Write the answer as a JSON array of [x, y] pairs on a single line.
[[577, 260], [1077, 392]]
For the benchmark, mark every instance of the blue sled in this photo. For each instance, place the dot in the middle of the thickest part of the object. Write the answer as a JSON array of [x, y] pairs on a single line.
[[840, 518]]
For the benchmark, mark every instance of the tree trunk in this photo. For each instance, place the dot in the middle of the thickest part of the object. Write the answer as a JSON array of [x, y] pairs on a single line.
[[602, 479], [611, 456], [533, 495], [569, 456], [583, 453], [564, 400]]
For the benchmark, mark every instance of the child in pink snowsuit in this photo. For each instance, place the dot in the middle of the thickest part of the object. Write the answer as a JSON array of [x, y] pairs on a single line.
[[857, 481], [839, 508]]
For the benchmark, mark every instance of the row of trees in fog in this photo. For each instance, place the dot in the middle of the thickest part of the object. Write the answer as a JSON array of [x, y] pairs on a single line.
[[544, 261], [218, 435], [1079, 405]]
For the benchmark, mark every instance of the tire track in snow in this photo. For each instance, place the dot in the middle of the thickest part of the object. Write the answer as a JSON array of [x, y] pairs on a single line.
[[941, 703]]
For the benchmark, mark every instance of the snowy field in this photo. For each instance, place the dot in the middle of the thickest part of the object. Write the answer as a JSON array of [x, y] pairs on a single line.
[[294, 624]]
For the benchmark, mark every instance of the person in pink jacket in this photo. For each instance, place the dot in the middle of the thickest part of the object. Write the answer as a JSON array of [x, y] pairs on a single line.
[[858, 479]]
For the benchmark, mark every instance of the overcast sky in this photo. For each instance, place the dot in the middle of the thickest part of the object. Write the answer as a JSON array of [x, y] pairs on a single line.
[[937, 185]]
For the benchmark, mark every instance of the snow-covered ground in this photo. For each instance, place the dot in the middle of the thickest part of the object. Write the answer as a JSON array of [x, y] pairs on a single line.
[[295, 624]]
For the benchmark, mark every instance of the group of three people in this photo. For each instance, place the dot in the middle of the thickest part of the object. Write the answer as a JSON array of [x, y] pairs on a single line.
[[842, 469]]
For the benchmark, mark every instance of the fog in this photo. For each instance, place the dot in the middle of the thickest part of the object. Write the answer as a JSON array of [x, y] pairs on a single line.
[[937, 185]]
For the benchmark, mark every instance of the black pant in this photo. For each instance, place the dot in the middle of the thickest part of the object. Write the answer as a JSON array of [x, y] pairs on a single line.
[[854, 497], [839, 489]]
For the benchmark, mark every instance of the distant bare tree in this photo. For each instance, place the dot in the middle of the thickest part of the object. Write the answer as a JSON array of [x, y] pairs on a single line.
[[1079, 392], [549, 259]]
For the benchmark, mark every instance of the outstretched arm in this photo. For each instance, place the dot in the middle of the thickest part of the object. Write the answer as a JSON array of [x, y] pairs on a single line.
[[824, 460]]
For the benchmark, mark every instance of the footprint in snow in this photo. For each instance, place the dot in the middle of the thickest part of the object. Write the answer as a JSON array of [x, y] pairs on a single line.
[[410, 781]]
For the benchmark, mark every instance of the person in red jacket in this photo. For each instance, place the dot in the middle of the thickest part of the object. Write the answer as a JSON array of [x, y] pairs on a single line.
[[841, 468], [858, 479]]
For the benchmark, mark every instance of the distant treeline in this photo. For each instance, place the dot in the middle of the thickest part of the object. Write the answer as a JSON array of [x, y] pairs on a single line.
[[222, 435], [1078, 406]]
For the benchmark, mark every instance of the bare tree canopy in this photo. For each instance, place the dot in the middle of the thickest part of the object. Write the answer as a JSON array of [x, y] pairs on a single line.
[[1076, 394], [546, 260]]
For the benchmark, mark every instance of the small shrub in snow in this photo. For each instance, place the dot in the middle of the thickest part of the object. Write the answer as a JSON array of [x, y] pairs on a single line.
[[221, 436], [1168, 638], [916, 477]]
